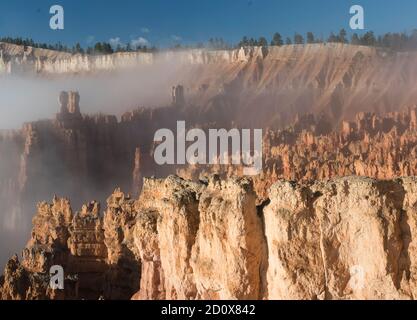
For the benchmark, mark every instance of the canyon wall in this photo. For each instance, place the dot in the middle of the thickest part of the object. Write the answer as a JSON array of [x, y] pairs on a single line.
[[14, 58], [76, 155], [381, 147], [88, 247], [86, 156], [347, 238], [254, 86]]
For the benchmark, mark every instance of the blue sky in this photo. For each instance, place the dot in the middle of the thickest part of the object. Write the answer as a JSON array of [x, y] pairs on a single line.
[[164, 22]]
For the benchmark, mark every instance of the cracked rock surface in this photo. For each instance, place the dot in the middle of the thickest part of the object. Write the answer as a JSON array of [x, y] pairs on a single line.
[[346, 238]]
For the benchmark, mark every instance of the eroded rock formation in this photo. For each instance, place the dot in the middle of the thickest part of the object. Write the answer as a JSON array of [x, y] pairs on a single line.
[[88, 247], [181, 232], [15, 59], [77, 154], [296, 241], [381, 147], [346, 238]]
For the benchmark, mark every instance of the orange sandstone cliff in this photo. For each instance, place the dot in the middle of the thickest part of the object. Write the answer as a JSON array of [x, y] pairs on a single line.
[[342, 231], [346, 238]]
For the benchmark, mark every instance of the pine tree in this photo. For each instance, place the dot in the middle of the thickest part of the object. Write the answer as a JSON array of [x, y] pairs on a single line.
[[298, 39], [332, 38], [342, 36], [310, 37], [277, 40], [368, 39], [355, 39], [262, 42]]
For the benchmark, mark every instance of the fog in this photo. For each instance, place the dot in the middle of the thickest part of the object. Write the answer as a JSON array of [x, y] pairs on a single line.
[[28, 98], [251, 96]]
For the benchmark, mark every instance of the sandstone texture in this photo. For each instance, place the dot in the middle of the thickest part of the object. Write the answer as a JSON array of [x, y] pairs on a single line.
[[344, 230], [88, 247], [76, 154], [345, 238], [381, 147]]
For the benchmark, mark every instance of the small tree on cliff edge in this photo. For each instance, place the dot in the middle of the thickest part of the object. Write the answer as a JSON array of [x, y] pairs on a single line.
[[310, 37], [244, 42], [277, 40], [355, 39], [78, 49], [298, 39], [342, 36], [262, 42], [368, 39]]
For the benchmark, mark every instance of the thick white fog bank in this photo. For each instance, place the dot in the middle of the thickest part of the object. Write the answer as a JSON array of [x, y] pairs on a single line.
[[26, 98]]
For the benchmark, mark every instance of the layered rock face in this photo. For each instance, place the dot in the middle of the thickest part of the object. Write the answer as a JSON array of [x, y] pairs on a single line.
[[185, 231], [381, 147], [76, 154], [73, 154], [344, 239], [347, 238], [222, 238], [83, 243], [15, 59]]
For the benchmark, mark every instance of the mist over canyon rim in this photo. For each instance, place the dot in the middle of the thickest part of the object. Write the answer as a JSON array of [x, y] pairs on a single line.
[[30, 96], [85, 157], [340, 80]]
